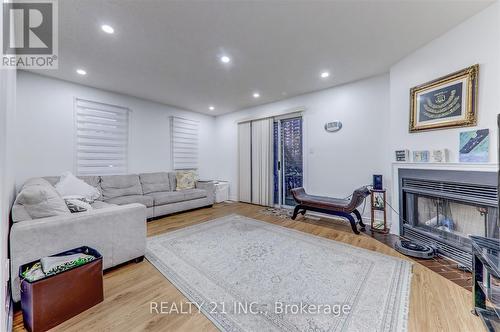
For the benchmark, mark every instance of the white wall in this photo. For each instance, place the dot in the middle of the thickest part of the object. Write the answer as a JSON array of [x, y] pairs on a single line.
[[45, 130], [374, 112], [335, 163], [476, 40]]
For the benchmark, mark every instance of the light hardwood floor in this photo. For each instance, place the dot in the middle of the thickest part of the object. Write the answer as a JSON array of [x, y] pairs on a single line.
[[436, 304]]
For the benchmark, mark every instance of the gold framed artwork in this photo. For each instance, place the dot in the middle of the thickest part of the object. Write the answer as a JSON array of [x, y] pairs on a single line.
[[447, 102]]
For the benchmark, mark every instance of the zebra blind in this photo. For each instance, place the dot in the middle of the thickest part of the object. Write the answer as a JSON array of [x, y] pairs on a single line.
[[184, 138], [101, 138]]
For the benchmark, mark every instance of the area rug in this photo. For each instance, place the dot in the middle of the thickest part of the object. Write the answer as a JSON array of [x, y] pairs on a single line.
[[249, 275], [280, 213]]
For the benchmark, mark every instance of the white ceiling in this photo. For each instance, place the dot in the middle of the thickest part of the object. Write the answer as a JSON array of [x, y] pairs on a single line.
[[168, 51]]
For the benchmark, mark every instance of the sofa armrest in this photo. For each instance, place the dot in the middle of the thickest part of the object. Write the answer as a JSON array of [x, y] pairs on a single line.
[[209, 186], [118, 233]]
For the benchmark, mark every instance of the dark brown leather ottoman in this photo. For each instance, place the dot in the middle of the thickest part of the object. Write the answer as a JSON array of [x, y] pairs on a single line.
[[49, 301]]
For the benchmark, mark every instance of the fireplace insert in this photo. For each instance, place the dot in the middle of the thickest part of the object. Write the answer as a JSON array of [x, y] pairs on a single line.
[[442, 208]]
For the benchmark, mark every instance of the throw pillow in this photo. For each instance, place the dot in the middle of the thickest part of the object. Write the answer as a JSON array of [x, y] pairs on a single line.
[[41, 200], [69, 186], [185, 180], [77, 205]]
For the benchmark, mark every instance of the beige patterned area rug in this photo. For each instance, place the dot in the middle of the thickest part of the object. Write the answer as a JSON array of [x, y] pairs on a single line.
[[249, 275]]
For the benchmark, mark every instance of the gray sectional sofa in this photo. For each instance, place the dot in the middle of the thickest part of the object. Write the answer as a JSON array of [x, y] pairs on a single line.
[[154, 190], [116, 227]]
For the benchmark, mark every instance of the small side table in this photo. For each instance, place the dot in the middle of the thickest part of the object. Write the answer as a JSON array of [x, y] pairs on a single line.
[[378, 203], [221, 191]]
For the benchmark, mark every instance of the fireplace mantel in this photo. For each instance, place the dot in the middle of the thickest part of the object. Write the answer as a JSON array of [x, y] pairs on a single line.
[[452, 166], [484, 167]]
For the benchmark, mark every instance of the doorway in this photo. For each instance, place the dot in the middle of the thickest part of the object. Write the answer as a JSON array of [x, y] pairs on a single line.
[[288, 159]]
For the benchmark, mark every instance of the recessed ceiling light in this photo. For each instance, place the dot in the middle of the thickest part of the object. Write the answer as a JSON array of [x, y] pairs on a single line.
[[225, 59], [211, 108], [325, 74], [107, 28], [81, 72], [256, 95]]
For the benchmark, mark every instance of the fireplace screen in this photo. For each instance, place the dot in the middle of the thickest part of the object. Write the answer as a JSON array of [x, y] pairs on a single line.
[[442, 208], [448, 218]]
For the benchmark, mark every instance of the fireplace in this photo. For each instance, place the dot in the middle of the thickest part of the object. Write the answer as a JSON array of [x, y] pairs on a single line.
[[442, 208]]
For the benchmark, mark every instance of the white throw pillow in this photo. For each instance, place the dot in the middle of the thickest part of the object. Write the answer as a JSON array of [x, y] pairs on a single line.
[[69, 186]]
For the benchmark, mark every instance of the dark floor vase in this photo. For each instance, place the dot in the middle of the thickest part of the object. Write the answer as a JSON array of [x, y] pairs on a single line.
[[52, 300]]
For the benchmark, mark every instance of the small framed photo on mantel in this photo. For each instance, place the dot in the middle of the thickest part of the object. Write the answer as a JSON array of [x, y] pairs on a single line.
[[402, 155], [447, 102], [474, 146], [422, 156], [440, 156]]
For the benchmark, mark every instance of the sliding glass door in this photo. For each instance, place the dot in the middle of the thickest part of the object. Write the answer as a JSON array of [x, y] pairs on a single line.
[[288, 159]]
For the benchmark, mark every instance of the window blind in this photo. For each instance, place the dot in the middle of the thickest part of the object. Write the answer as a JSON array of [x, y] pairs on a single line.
[[101, 138], [184, 138]]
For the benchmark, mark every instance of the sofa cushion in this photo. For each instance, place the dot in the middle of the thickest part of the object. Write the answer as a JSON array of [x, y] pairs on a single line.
[[172, 180], [141, 199], [52, 179], [19, 213], [154, 182], [120, 185], [185, 180], [94, 181], [167, 197], [170, 197], [191, 194], [40, 199], [37, 182], [101, 205]]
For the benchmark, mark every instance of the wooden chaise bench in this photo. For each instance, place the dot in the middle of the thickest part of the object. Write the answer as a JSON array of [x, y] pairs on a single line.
[[333, 206]]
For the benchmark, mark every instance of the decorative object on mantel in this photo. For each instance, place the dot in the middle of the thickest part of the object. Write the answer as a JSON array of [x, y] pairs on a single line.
[[422, 156], [474, 146], [333, 126], [378, 203], [446, 102], [439, 156], [402, 155]]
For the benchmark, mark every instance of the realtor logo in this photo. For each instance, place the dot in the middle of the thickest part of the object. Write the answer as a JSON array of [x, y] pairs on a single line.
[[30, 36]]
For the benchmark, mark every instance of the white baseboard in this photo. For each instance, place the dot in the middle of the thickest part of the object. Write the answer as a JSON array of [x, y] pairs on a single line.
[[9, 310]]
